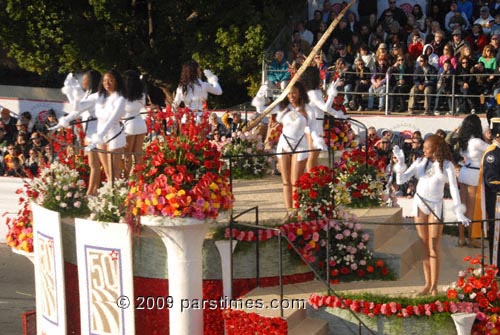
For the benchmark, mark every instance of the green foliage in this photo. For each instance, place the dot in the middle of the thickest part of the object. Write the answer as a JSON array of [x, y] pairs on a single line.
[[155, 37]]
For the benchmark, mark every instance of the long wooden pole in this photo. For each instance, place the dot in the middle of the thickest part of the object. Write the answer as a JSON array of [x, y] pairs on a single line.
[[302, 68]]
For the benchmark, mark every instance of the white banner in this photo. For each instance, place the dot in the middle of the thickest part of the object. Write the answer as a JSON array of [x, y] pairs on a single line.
[[49, 272], [105, 277]]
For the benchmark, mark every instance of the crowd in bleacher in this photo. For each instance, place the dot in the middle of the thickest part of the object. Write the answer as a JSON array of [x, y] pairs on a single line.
[[24, 144], [453, 48]]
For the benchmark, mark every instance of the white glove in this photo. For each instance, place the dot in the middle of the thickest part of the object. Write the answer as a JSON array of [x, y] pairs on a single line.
[[332, 91], [211, 78], [399, 154], [90, 147], [319, 143], [97, 139], [57, 126], [63, 122], [72, 89], [339, 115], [463, 219]]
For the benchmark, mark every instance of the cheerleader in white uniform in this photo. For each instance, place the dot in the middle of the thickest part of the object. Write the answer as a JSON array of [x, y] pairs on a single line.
[[433, 171], [110, 137], [83, 100], [312, 82], [472, 147], [192, 92], [134, 125], [296, 118]]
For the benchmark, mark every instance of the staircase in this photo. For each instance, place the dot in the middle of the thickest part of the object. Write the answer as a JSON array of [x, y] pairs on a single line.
[[397, 245]]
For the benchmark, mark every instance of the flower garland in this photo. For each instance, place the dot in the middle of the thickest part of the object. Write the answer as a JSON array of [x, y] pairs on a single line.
[[350, 258], [372, 309]]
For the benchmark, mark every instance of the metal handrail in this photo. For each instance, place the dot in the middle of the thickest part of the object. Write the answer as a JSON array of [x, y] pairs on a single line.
[[309, 265]]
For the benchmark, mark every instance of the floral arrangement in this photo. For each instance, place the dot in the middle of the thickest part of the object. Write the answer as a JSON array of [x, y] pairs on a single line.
[[363, 175], [479, 286], [181, 175], [20, 234], [338, 134], [59, 188], [109, 205], [350, 258], [239, 322], [318, 193], [248, 151]]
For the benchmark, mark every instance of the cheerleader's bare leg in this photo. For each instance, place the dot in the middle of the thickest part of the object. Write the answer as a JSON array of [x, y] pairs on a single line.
[[423, 233]]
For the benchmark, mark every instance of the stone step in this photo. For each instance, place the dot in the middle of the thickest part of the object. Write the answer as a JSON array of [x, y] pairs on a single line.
[[401, 251], [309, 326]]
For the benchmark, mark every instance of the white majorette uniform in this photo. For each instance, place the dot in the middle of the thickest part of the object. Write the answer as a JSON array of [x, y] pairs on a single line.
[[430, 186], [197, 93], [133, 121], [469, 172], [295, 126], [83, 104], [109, 110], [320, 107]]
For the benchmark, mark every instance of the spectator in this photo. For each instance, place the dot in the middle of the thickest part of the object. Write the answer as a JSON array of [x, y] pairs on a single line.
[[457, 42], [484, 19], [465, 6], [320, 62], [378, 82], [455, 13], [372, 138], [367, 56], [419, 16], [399, 84], [495, 7], [294, 53], [433, 58], [342, 32], [364, 33], [305, 34], [304, 46], [415, 32], [495, 26], [3, 141], [278, 74], [377, 36], [314, 24], [482, 83], [353, 47], [237, 123], [50, 121], [477, 40], [383, 51], [438, 42], [37, 141], [424, 82], [16, 169], [447, 56], [396, 12], [28, 121], [444, 86], [464, 81], [352, 22], [215, 126], [416, 47], [9, 124], [362, 82], [365, 9], [495, 44], [436, 14], [33, 162], [466, 52], [488, 58]]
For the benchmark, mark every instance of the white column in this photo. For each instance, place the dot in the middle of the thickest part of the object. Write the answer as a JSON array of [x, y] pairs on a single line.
[[224, 248], [183, 238], [463, 322]]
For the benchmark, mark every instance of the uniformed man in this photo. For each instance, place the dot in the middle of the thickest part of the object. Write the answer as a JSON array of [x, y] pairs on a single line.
[[489, 186]]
